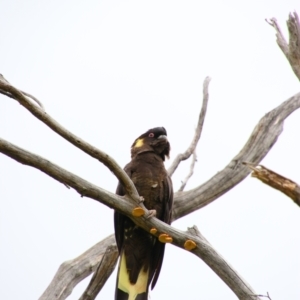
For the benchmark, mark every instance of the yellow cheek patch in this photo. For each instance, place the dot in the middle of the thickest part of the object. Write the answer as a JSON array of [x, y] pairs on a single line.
[[139, 143]]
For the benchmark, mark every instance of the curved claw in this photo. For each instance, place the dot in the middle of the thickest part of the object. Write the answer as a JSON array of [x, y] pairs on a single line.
[[152, 213]]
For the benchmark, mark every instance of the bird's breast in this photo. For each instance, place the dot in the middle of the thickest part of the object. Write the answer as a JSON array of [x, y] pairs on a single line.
[[148, 181]]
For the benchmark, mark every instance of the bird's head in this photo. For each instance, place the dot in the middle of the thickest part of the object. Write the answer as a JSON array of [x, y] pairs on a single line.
[[155, 140]]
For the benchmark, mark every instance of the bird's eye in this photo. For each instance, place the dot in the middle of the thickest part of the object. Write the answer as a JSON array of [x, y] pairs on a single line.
[[151, 134]]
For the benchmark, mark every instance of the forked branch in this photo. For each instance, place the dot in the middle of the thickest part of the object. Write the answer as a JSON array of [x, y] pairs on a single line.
[[262, 139], [292, 49], [191, 172], [7, 89]]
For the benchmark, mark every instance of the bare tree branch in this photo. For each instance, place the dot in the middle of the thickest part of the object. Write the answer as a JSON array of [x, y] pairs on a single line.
[[9, 90], [292, 49], [71, 272], [276, 181], [191, 172], [198, 131], [26, 94], [262, 139], [34, 99], [179, 238], [104, 270], [82, 186]]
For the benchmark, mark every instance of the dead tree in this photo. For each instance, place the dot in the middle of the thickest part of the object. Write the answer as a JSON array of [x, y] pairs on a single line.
[[102, 257]]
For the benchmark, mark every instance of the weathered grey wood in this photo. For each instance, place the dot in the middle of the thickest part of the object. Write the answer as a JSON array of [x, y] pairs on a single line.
[[204, 251], [8, 90], [276, 181], [102, 273], [292, 49], [71, 272], [262, 139], [191, 172]]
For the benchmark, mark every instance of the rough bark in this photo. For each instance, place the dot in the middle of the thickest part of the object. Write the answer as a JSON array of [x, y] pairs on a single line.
[[78, 268], [276, 181], [292, 49], [262, 139], [102, 273]]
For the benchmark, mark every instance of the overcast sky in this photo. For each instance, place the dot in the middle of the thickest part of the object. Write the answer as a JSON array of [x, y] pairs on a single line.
[[110, 70]]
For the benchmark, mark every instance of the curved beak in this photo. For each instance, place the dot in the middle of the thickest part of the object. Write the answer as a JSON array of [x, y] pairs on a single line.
[[164, 137]]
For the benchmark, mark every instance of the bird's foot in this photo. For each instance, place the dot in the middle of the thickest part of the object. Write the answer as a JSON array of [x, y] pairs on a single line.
[[152, 213], [142, 199], [138, 211], [165, 238]]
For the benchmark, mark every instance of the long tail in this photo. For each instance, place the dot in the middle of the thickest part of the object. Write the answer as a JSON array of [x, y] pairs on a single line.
[[128, 291]]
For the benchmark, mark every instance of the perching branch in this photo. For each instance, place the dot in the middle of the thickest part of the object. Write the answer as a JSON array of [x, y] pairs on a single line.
[[7, 89], [179, 238], [198, 131], [292, 49], [276, 181]]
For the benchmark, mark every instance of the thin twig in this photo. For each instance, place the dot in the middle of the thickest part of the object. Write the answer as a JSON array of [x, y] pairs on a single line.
[[34, 99], [263, 296], [198, 131], [26, 94], [191, 172]]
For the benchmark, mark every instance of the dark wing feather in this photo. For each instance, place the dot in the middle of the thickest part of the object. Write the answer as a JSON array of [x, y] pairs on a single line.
[[159, 248], [119, 219]]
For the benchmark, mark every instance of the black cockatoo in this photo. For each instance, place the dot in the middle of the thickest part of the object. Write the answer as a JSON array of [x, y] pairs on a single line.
[[141, 254]]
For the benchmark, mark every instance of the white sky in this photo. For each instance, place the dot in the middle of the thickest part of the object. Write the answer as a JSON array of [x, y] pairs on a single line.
[[110, 70]]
